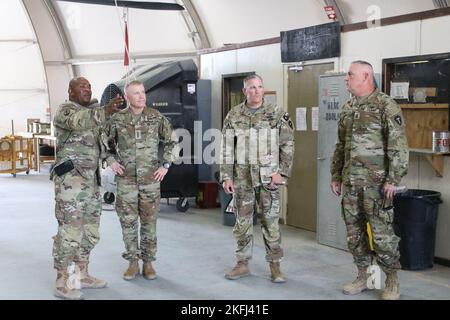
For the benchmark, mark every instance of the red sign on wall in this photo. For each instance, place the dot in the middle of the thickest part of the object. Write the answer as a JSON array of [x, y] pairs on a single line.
[[331, 13]]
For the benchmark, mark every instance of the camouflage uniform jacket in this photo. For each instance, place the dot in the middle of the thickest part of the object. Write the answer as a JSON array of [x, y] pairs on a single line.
[[372, 148], [135, 144], [78, 132], [240, 161]]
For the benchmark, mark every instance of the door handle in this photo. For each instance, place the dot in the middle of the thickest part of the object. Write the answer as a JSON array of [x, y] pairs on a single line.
[[320, 158]]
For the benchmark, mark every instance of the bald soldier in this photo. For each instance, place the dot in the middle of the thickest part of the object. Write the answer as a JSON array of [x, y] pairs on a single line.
[[134, 135], [78, 124], [257, 154], [370, 159]]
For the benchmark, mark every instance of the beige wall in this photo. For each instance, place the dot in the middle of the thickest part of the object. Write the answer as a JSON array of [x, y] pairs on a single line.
[[407, 39]]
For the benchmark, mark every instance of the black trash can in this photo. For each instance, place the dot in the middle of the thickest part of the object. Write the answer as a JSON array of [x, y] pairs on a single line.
[[415, 217]]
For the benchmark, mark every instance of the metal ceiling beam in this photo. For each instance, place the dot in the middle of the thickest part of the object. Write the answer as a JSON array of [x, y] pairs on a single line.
[[118, 58], [195, 26], [60, 29], [53, 45], [339, 15], [42, 90], [35, 10], [132, 4]]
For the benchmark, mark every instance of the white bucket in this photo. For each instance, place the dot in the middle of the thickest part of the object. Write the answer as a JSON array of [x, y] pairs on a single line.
[[441, 141]]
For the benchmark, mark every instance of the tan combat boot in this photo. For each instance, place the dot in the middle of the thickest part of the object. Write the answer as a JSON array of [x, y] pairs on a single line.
[[63, 290], [276, 275], [132, 271], [359, 284], [392, 288], [240, 270], [87, 281], [148, 272]]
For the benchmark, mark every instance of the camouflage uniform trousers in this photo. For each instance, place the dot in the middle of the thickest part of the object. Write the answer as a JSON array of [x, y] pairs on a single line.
[[365, 204], [269, 202], [78, 209], [138, 202]]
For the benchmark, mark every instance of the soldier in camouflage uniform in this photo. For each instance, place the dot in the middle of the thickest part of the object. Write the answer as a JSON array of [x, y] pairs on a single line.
[[254, 175], [370, 159], [134, 135], [75, 174]]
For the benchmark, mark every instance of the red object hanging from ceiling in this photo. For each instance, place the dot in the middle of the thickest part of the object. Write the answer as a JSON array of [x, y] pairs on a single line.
[[126, 58]]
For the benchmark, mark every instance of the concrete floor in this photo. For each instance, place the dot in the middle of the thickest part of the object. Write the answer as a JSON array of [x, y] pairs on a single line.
[[194, 251]]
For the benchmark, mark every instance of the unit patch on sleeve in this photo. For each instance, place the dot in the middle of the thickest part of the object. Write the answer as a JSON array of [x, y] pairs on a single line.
[[398, 119]]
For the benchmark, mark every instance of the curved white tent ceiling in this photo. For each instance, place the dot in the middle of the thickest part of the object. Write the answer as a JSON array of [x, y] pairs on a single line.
[[96, 39], [236, 21], [91, 43], [358, 11], [98, 30], [225, 21], [23, 89]]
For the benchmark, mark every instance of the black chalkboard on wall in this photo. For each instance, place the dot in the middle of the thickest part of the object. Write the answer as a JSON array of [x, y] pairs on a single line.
[[312, 43]]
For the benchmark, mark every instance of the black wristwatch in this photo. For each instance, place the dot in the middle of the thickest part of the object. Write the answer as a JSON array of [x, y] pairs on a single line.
[[166, 165]]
